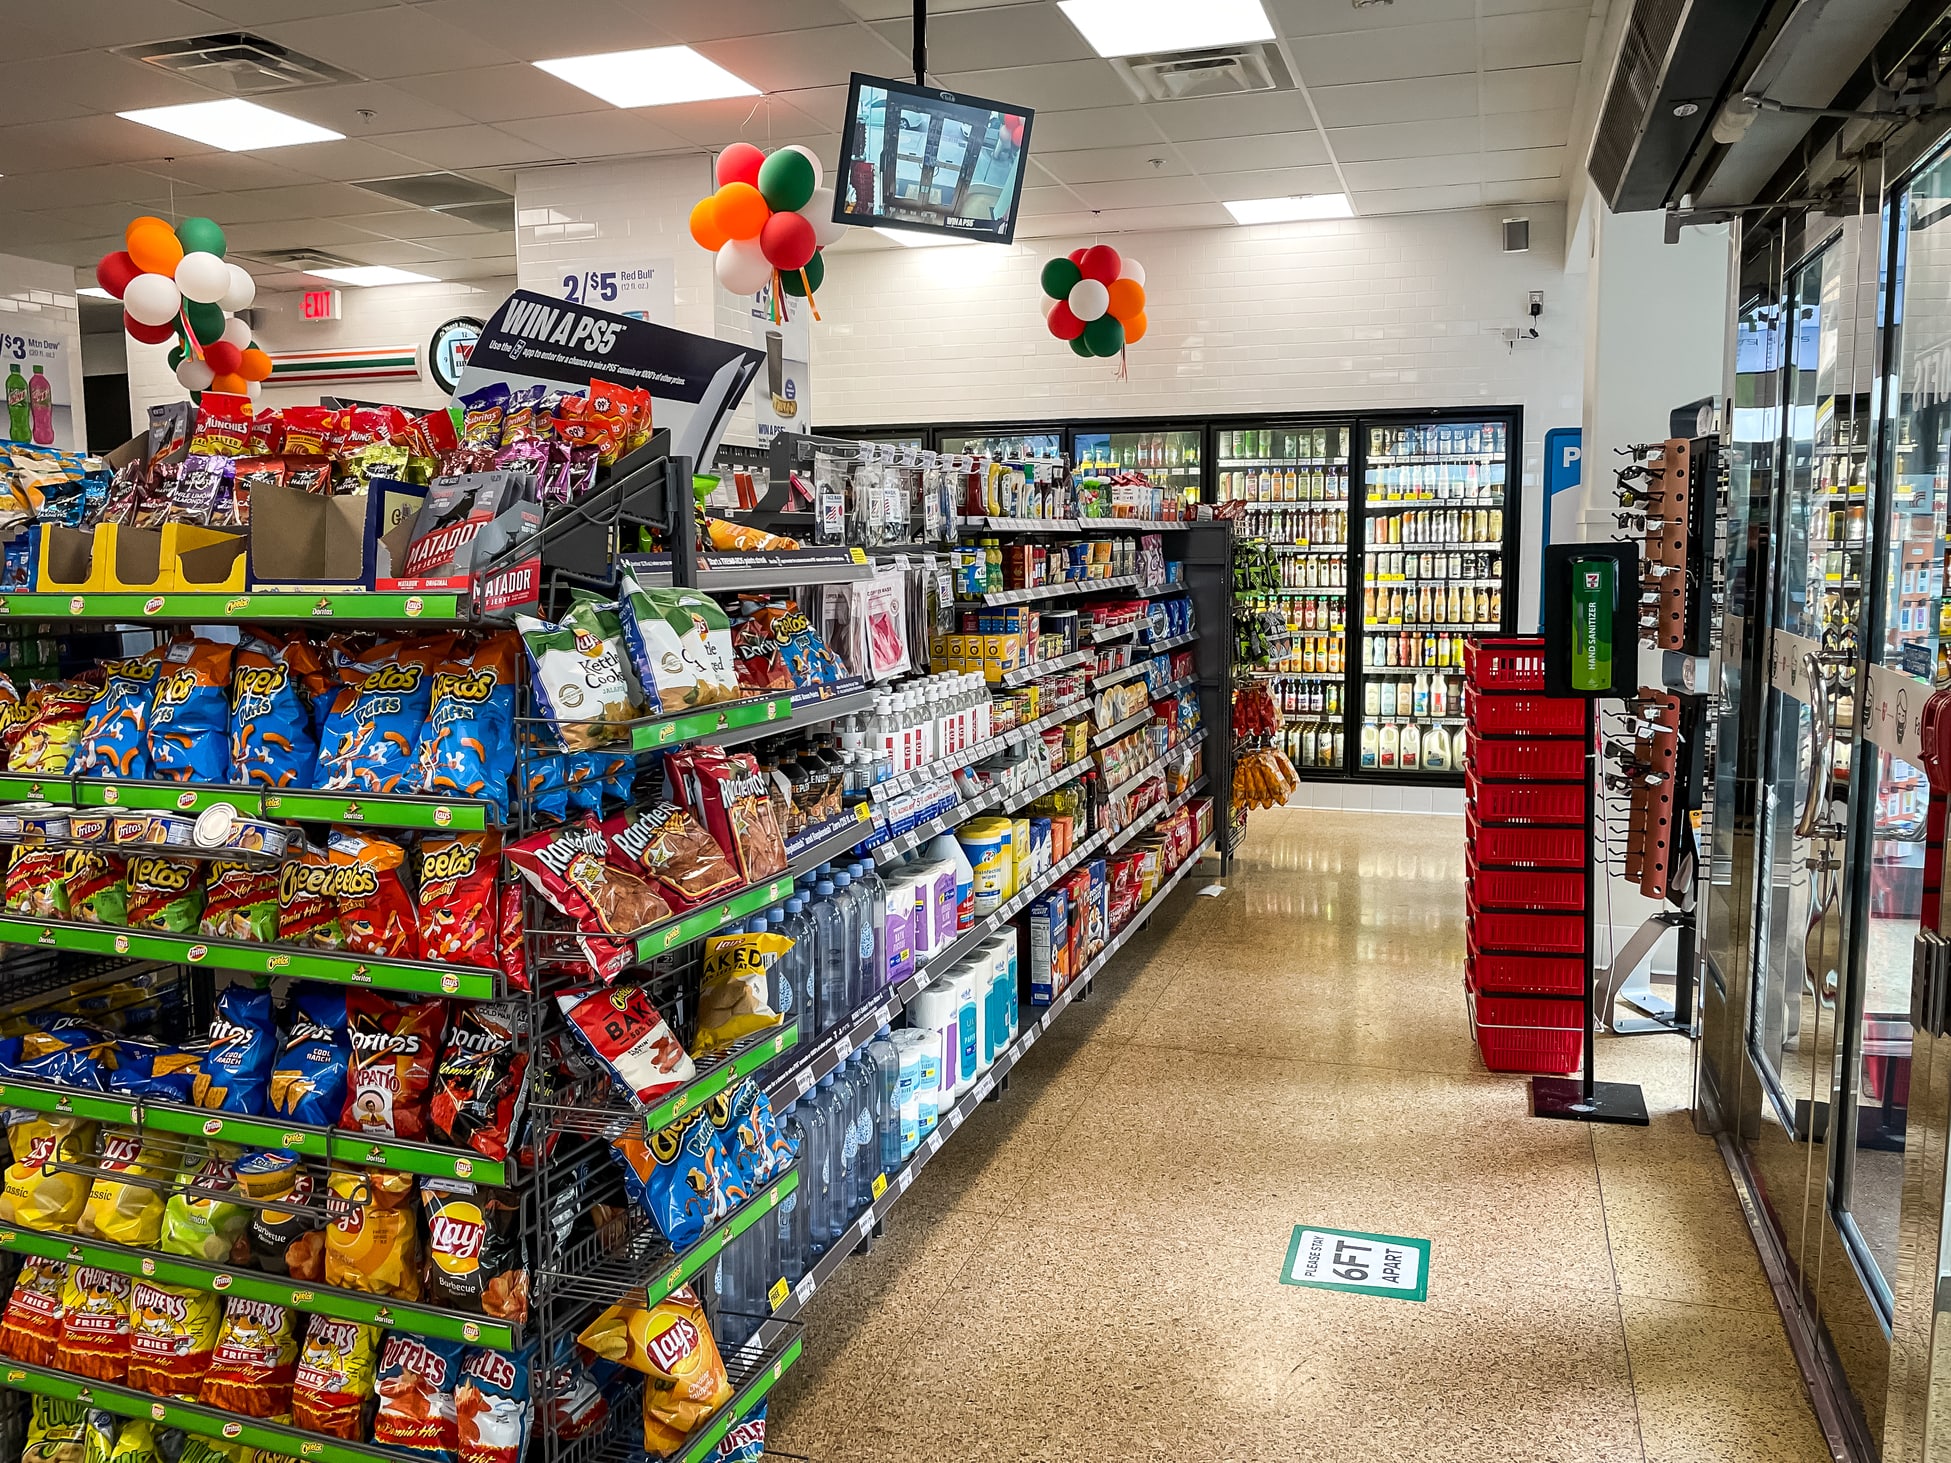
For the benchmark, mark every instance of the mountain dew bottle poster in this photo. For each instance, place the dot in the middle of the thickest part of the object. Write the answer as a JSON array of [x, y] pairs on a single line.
[[39, 399]]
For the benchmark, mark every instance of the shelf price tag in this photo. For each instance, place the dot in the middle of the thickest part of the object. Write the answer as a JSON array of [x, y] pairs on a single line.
[[880, 1185], [777, 1295]]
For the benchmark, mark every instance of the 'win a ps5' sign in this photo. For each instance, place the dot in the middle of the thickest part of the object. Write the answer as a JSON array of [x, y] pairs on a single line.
[[695, 382]]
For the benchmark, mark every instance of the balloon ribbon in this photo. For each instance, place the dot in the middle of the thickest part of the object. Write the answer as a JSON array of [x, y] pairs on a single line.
[[196, 346], [807, 285], [1124, 367]]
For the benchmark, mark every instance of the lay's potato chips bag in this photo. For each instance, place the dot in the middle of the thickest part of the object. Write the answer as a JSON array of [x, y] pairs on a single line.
[[113, 740], [271, 740], [173, 1331], [36, 1196], [120, 1211], [370, 741], [189, 718], [373, 1242], [469, 748]]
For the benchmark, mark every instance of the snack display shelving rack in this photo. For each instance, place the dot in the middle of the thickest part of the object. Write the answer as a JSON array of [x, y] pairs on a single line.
[[573, 1271]]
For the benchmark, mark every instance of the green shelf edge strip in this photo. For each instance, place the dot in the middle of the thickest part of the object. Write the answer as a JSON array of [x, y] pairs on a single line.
[[319, 1300], [687, 1265], [205, 1422], [695, 724], [461, 815], [324, 1144], [701, 1446], [362, 605], [466, 984], [709, 1084]]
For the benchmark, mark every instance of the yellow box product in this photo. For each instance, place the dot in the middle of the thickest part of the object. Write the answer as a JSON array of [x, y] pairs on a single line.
[[72, 560], [1019, 847], [986, 843], [1077, 740]]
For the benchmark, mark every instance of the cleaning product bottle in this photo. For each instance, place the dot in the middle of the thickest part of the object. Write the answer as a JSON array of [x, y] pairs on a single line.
[[946, 848], [831, 954]]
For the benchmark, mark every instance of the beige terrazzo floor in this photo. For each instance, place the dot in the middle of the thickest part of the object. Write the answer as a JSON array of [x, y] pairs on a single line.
[[1089, 1269]]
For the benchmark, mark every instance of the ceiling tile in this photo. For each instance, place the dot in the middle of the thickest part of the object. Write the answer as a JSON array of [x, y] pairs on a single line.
[[1293, 18], [1524, 190], [896, 9], [293, 233], [1529, 162], [86, 82], [1208, 117], [596, 134], [721, 18], [409, 224], [398, 41], [1527, 129], [1099, 127], [1530, 88], [1241, 154], [343, 161], [393, 109], [790, 59], [476, 146], [269, 12], [478, 246], [1404, 139], [1549, 38], [1385, 55], [75, 187], [1044, 200], [502, 93], [1103, 165], [1420, 200], [1144, 193], [1532, 7], [1273, 183], [46, 30], [1373, 103], [515, 28], [983, 39], [824, 106], [1415, 172], [228, 172], [1175, 216], [36, 147], [391, 251], [321, 200], [1059, 86], [764, 121]]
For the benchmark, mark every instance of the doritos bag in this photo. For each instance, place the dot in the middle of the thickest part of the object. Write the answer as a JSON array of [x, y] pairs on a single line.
[[94, 1324], [457, 898], [36, 1196], [372, 1243], [376, 914], [418, 1377], [254, 1360], [470, 742], [371, 738], [240, 902], [271, 741], [189, 718], [308, 1080], [236, 1073], [125, 1212], [478, 1087], [673, 1175], [31, 1327], [113, 742], [394, 1047], [173, 1334], [335, 1376], [474, 1249], [491, 1404]]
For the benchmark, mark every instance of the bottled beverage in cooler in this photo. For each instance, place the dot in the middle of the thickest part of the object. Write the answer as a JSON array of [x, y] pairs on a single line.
[[1391, 744], [1371, 745], [1411, 746]]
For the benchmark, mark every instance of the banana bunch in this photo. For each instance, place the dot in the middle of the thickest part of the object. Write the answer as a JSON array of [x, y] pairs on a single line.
[[1262, 778]]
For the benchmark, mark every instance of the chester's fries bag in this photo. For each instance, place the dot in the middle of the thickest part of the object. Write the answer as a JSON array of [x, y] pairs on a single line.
[[173, 1332], [30, 1329], [271, 739], [418, 1377], [371, 738], [35, 885], [474, 1249], [671, 1344], [373, 1241], [51, 732], [255, 1357], [470, 742], [129, 1213], [113, 741], [189, 719], [581, 677], [335, 1377], [36, 1196], [94, 1324], [165, 893], [491, 1405], [201, 1228], [395, 1045], [308, 1078], [236, 1073], [457, 913], [97, 886], [376, 914], [240, 902]]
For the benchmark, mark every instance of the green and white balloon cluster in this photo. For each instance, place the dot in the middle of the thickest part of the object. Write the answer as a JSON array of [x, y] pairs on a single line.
[[174, 283]]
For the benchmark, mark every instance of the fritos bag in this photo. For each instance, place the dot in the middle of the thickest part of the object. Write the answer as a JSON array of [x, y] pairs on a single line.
[[94, 1324], [334, 1380], [31, 1327], [173, 1334], [372, 1243], [371, 738], [418, 1378], [457, 912], [395, 1044], [376, 914], [189, 717], [478, 1087], [252, 1365]]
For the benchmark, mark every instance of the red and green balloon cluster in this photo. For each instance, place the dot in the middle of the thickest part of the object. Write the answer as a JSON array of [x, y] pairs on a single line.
[[1095, 299], [175, 283], [771, 212]]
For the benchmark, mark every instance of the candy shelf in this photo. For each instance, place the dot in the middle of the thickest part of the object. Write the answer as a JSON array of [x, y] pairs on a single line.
[[1104, 736]]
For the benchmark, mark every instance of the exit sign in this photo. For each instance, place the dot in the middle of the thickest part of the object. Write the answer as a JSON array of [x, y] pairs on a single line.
[[321, 304]]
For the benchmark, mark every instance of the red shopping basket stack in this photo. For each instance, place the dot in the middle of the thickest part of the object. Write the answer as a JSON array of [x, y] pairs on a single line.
[[1525, 858]]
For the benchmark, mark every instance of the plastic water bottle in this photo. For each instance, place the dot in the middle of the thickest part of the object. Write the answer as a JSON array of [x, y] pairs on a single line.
[[830, 951], [849, 902], [886, 1060], [794, 1240], [873, 928], [847, 1086], [833, 1181], [815, 1170]]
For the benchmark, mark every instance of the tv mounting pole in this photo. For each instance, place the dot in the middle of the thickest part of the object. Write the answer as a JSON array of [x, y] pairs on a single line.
[[921, 42]]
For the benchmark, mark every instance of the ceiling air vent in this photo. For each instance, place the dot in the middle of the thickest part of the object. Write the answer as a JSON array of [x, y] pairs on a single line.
[[301, 260], [237, 63], [1227, 71], [444, 191]]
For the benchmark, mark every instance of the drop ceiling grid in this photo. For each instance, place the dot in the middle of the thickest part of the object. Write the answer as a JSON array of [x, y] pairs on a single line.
[[1409, 106]]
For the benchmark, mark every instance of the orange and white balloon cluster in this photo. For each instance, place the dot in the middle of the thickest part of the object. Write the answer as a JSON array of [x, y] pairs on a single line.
[[176, 283], [1095, 299], [769, 219]]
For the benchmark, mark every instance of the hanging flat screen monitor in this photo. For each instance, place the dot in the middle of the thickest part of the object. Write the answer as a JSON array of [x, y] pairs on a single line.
[[931, 161]]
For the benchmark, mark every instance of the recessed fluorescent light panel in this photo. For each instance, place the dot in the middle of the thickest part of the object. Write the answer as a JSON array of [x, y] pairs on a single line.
[[658, 77], [1286, 210], [369, 274], [232, 124], [1137, 27]]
